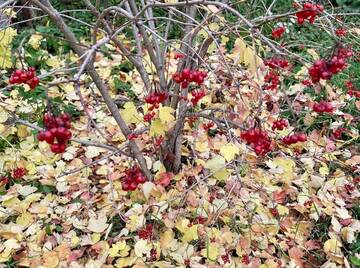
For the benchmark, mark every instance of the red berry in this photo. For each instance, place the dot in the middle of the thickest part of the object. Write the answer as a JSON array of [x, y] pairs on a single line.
[[185, 74], [19, 173], [302, 137], [184, 84], [140, 179], [177, 78], [278, 32], [41, 136], [65, 117], [49, 136], [125, 186], [133, 185], [58, 148]]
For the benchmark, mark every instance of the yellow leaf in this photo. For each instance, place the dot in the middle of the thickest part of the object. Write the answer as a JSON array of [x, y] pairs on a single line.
[[51, 259], [214, 26], [22, 131], [215, 164], [25, 219], [95, 237], [222, 175], [229, 151], [166, 238], [55, 62], [165, 114], [35, 41], [282, 210], [332, 246], [189, 233], [119, 249], [211, 252], [237, 54], [3, 116], [6, 37], [157, 128], [313, 53], [324, 170], [202, 146], [125, 262], [130, 113], [288, 166]]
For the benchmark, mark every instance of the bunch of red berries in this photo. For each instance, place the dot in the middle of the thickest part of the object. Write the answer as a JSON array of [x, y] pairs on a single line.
[[309, 12], [197, 95], [352, 90], [153, 254], [154, 99], [306, 82], [187, 76], [294, 138], [179, 56], [4, 180], [25, 76], [18, 173], [323, 107], [57, 128], [133, 178], [278, 32], [207, 126], [225, 258], [340, 32], [338, 132], [258, 139], [273, 80], [323, 69], [146, 232], [275, 63], [280, 124]]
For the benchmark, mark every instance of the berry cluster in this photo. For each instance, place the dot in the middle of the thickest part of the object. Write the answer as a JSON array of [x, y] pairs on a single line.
[[323, 69], [341, 32], [258, 139], [294, 138], [18, 173], [352, 90], [306, 82], [309, 12], [207, 126], [25, 76], [153, 254], [197, 95], [245, 259], [179, 56], [272, 79], [133, 178], [275, 63], [187, 76], [225, 258], [154, 99], [278, 32], [4, 180], [323, 107], [338, 132], [57, 128], [146, 232], [280, 124], [132, 136]]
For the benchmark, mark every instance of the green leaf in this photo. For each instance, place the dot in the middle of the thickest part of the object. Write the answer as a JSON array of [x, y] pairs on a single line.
[[355, 261]]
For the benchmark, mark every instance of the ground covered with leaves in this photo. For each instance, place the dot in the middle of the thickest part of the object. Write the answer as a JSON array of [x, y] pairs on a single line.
[[229, 206]]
